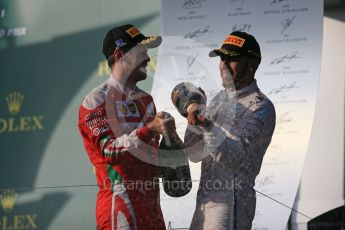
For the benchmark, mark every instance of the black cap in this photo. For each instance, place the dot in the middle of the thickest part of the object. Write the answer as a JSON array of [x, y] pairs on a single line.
[[238, 43], [126, 37]]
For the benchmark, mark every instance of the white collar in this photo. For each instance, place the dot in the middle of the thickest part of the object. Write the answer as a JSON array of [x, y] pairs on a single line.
[[253, 87], [118, 85]]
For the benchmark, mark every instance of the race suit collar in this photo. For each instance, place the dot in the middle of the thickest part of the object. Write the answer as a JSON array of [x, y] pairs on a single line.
[[118, 85], [244, 91]]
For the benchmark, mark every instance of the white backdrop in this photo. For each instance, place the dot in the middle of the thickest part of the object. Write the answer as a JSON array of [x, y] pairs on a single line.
[[322, 183], [290, 36]]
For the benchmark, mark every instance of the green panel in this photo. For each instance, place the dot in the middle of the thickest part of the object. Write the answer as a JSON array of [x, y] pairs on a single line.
[[50, 56]]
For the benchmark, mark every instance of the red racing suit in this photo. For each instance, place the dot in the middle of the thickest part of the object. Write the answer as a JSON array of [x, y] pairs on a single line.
[[112, 122]]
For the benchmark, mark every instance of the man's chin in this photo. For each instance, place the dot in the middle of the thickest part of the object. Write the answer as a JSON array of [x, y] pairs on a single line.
[[141, 76], [228, 84]]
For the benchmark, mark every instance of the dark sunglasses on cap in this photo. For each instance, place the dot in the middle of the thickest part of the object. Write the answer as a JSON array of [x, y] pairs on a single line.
[[229, 58]]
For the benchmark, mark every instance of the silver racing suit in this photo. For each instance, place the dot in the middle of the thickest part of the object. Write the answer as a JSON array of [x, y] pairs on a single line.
[[231, 151]]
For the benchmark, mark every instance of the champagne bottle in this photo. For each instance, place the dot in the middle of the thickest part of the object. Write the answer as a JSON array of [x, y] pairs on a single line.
[[176, 178]]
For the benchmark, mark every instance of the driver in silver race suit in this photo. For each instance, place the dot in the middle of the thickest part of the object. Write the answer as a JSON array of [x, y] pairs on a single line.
[[231, 139]]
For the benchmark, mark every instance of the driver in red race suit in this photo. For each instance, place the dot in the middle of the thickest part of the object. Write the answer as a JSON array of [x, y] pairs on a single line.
[[120, 130]]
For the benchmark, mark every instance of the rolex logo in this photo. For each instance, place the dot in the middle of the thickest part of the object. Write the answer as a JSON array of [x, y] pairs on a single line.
[[14, 101], [15, 123], [14, 220], [8, 199]]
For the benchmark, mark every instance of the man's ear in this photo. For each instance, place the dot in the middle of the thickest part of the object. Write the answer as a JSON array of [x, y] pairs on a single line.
[[253, 64], [118, 54]]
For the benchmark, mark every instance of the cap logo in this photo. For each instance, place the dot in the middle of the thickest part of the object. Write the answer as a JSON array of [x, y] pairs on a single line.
[[133, 32], [119, 43], [234, 40]]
